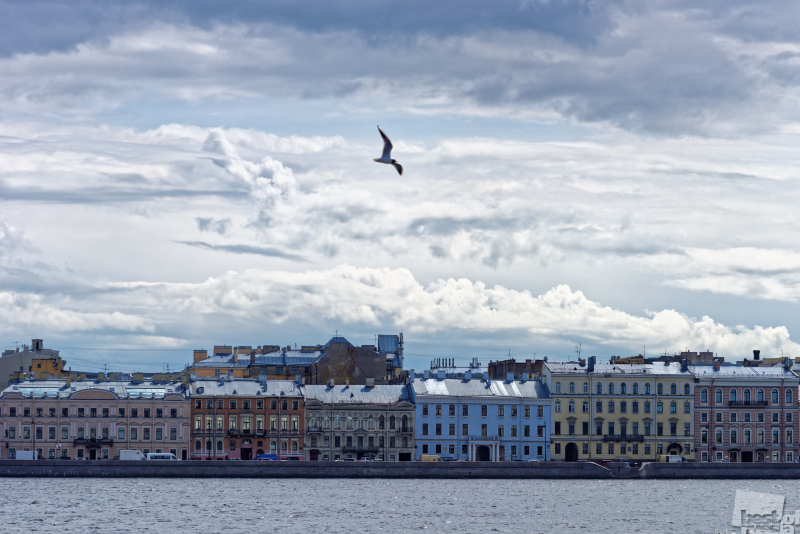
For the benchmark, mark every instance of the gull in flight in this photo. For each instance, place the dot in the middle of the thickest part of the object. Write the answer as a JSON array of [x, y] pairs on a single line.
[[386, 157]]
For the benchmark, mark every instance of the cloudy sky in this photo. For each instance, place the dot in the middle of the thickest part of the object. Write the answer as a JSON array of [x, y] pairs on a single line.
[[616, 174]]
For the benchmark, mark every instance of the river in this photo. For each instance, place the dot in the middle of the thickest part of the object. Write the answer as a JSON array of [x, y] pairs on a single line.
[[229, 506]]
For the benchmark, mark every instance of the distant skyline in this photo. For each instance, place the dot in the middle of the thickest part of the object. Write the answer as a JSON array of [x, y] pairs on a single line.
[[174, 176]]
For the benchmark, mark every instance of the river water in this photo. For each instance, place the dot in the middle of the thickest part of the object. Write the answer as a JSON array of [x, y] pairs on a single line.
[[228, 506]]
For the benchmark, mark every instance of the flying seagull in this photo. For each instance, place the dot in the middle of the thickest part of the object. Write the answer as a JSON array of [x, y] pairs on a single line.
[[386, 157]]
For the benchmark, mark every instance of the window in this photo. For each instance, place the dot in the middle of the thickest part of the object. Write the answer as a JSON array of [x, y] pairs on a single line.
[[557, 428], [718, 417], [598, 448], [134, 412], [64, 432], [686, 389], [92, 412], [585, 406], [513, 411], [647, 429], [789, 436], [611, 388], [646, 406], [159, 433], [571, 406], [438, 410], [599, 407], [501, 431], [585, 429], [659, 407], [599, 388], [424, 410], [586, 387], [159, 412], [635, 407], [558, 387], [260, 404], [484, 410], [623, 388], [465, 429], [599, 429], [484, 430], [558, 406], [660, 389], [424, 429], [526, 450], [173, 434], [718, 435], [673, 389], [687, 407], [147, 412], [146, 433], [673, 407], [540, 431], [774, 396], [245, 405], [572, 387], [647, 448], [501, 411], [514, 430], [452, 410], [465, 410], [659, 429], [558, 448], [746, 395], [788, 417], [527, 411], [451, 429], [673, 429], [732, 395], [704, 436], [635, 388], [611, 428], [647, 388], [635, 448], [734, 436], [635, 428], [26, 412], [703, 395], [610, 448], [438, 429], [540, 411], [623, 407], [232, 405], [39, 432], [610, 406], [788, 396]]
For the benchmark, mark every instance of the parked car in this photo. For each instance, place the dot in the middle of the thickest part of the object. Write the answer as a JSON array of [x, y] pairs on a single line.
[[430, 458], [79, 458], [447, 458], [161, 456]]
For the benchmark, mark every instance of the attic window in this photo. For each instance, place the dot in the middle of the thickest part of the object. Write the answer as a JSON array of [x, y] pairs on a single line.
[[169, 391], [15, 388], [234, 392], [111, 389], [72, 389]]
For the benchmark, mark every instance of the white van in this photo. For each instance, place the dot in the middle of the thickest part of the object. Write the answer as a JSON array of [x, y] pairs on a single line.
[[26, 455], [161, 456], [131, 455]]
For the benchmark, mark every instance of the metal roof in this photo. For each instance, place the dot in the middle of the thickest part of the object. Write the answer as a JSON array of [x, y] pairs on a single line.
[[672, 368], [452, 387], [380, 394], [245, 387], [388, 343], [57, 388], [222, 361], [289, 358], [738, 371]]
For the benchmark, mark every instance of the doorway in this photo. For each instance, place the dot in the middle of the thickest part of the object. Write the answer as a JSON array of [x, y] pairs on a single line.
[[93, 454], [247, 454], [747, 456], [482, 454], [502, 455], [571, 453], [761, 456], [734, 456], [184, 454]]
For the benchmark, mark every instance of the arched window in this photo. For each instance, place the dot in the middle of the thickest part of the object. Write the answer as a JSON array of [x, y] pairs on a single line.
[[219, 445], [599, 388], [283, 446], [558, 387], [197, 445], [337, 422], [687, 408], [572, 387], [718, 396], [392, 422], [774, 396], [686, 389], [314, 422], [371, 423], [349, 423], [673, 389], [611, 388], [704, 395], [326, 422], [788, 396], [647, 388], [746, 395], [623, 388], [405, 423], [381, 423], [586, 387], [273, 445], [635, 388], [660, 389], [360, 423], [732, 395], [760, 395], [208, 445]]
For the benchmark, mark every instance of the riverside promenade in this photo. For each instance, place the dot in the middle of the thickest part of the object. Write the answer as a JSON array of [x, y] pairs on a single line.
[[420, 470]]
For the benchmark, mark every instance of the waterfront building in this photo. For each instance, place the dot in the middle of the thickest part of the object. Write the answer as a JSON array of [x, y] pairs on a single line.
[[481, 419], [241, 418], [31, 359], [95, 419], [615, 411], [354, 421], [746, 414]]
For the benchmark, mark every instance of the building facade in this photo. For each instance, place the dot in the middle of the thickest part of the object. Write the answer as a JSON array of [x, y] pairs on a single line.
[[95, 419], [746, 414], [633, 412], [242, 418], [353, 422], [481, 419], [31, 359]]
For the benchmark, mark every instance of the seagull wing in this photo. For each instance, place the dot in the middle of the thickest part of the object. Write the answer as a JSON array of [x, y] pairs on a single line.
[[387, 145], [399, 168]]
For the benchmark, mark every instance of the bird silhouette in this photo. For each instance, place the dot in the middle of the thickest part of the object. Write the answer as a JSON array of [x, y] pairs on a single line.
[[386, 157]]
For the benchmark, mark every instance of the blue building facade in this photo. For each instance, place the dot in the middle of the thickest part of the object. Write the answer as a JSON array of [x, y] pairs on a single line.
[[480, 419]]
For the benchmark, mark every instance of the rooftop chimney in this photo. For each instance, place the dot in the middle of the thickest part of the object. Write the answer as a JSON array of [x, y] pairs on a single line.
[[756, 354], [716, 365], [684, 364], [510, 377], [592, 360]]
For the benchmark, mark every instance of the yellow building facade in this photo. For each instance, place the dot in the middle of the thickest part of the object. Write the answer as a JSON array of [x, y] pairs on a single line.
[[624, 412]]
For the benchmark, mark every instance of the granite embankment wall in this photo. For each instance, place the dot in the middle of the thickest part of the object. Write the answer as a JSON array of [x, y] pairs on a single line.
[[446, 470], [223, 469]]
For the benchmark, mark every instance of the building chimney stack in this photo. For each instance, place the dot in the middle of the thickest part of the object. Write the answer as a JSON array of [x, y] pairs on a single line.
[[756, 354]]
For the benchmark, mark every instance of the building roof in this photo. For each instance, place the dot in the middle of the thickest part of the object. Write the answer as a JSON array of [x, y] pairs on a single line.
[[336, 339], [739, 371], [245, 387], [380, 394], [221, 361], [453, 387], [388, 343], [57, 388], [672, 368], [290, 358]]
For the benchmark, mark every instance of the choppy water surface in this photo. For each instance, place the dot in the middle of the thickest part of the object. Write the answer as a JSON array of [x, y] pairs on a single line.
[[253, 506]]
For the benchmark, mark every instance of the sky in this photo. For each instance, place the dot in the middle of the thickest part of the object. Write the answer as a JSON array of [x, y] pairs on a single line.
[[619, 176]]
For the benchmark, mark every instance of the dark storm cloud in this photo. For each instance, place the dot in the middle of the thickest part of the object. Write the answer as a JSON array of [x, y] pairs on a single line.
[[245, 249]]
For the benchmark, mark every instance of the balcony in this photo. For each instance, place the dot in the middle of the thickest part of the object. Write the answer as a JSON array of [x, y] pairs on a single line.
[[622, 437], [93, 442], [313, 429], [747, 404], [406, 430]]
